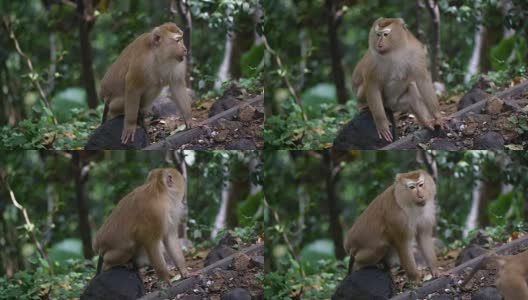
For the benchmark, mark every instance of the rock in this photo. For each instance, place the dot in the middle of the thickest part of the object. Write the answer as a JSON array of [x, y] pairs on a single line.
[[164, 107], [230, 239], [366, 284], [192, 297], [361, 133], [220, 136], [442, 297], [470, 129], [482, 238], [491, 140], [471, 97], [241, 144], [229, 125], [218, 253], [108, 137], [237, 294], [494, 106], [469, 253], [116, 283], [257, 262], [444, 144], [487, 293], [241, 262], [223, 104], [246, 113]]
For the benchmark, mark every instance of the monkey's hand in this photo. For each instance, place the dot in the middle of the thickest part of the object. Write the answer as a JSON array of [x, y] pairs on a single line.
[[442, 122], [129, 131], [384, 131]]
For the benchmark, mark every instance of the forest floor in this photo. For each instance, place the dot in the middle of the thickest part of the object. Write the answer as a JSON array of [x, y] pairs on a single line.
[[241, 131], [446, 263], [477, 130], [243, 272]]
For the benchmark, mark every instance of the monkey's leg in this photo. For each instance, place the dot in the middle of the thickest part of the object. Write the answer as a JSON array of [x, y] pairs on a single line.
[[407, 259], [418, 106], [155, 255], [116, 257], [425, 242], [512, 285], [368, 257], [173, 247], [181, 98]]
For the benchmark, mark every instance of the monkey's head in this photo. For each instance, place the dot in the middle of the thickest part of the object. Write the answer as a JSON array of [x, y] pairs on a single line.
[[167, 177], [387, 34], [168, 39], [417, 187]]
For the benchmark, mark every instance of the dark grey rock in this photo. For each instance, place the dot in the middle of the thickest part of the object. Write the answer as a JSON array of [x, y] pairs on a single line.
[[108, 137], [367, 284], [361, 133], [117, 283]]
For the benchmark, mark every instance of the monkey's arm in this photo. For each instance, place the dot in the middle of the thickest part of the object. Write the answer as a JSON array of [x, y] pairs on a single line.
[[131, 103], [425, 86], [181, 98], [173, 247], [407, 259], [375, 104], [425, 241]]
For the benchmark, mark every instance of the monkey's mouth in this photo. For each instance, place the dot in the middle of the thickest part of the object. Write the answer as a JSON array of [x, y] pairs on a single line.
[[420, 203]]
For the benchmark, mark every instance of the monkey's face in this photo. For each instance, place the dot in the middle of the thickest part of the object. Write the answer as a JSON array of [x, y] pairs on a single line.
[[417, 189], [385, 34]]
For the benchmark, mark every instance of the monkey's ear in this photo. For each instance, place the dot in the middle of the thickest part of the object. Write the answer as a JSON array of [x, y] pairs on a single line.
[[403, 23], [169, 180], [156, 36]]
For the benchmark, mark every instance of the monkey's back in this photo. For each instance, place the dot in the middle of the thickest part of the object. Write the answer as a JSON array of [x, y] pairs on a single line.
[[372, 219], [113, 83], [120, 227]]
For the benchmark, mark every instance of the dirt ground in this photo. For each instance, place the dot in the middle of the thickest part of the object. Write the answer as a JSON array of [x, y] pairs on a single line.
[[508, 118], [446, 262], [219, 281], [244, 131]]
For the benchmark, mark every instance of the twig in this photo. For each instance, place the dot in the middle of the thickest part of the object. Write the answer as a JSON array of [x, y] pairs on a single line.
[[34, 80], [29, 226], [284, 77], [285, 237]]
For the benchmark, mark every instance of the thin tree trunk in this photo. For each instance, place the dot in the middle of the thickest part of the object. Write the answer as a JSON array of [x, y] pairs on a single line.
[[333, 215], [86, 20], [335, 52], [434, 11], [81, 175]]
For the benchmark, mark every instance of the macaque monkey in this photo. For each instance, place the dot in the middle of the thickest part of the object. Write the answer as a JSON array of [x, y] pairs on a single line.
[[393, 74], [402, 214], [512, 276], [143, 223], [152, 61]]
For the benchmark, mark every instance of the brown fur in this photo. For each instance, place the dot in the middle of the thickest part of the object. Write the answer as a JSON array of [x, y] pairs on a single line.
[[391, 222], [512, 276], [145, 220], [393, 74], [151, 62]]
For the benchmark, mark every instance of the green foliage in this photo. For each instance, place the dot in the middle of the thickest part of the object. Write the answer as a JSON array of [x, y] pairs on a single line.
[[288, 130], [41, 133], [67, 281]]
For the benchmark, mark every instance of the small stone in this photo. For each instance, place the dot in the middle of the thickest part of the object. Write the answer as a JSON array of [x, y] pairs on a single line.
[[494, 105], [241, 262], [246, 113]]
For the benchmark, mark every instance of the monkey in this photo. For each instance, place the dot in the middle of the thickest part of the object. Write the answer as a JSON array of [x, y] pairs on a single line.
[[402, 214], [512, 276], [144, 223], [152, 61], [393, 74]]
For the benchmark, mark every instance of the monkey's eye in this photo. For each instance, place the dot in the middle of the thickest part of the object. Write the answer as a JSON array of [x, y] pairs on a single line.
[[420, 185], [385, 34], [412, 187], [378, 34]]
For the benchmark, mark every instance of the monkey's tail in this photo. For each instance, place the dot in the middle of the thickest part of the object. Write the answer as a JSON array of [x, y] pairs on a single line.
[[99, 265], [350, 264], [105, 112]]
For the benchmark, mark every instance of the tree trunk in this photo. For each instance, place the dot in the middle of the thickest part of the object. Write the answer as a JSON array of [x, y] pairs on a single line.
[[434, 11], [86, 20], [81, 175], [182, 7], [333, 215], [335, 52]]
